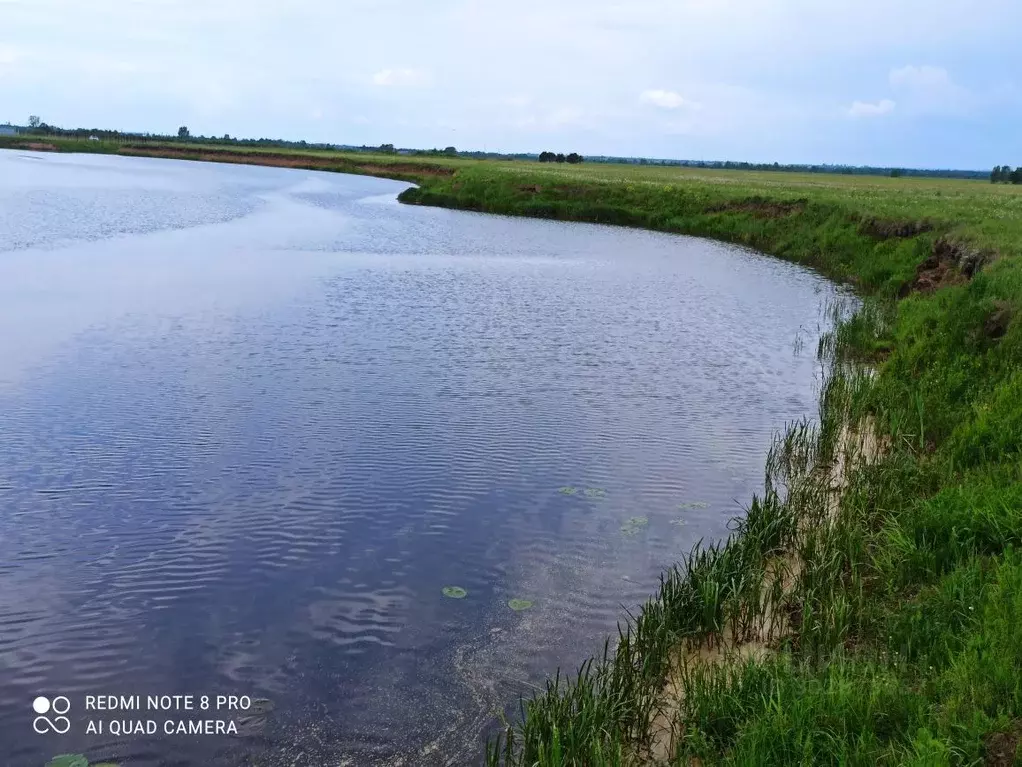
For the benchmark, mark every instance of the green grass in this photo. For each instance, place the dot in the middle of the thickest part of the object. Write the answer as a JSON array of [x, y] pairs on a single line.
[[833, 223], [898, 641]]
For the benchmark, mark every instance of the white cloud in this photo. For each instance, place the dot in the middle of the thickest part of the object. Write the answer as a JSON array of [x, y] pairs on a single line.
[[930, 90], [767, 93], [554, 120], [665, 99], [871, 109], [564, 116], [919, 77], [8, 61], [517, 101], [405, 78]]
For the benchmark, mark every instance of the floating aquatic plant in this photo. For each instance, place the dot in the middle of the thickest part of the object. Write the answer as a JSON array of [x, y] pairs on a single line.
[[76, 760], [693, 505], [68, 760], [595, 492], [567, 490], [679, 522], [633, 525], [455, 592], [519, 604]]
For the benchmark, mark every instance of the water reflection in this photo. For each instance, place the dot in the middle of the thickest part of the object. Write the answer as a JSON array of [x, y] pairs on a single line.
[[253, 422]]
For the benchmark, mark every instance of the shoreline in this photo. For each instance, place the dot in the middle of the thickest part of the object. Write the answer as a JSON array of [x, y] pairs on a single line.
[[883, 613]]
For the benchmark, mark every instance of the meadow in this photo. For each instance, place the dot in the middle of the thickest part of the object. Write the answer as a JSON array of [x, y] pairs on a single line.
[[866, 608]]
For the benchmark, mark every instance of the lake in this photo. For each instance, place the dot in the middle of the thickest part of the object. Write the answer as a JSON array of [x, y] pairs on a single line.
[[254, 421]]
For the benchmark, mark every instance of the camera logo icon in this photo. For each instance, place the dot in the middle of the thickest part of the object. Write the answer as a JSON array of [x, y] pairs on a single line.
[[58, 723]]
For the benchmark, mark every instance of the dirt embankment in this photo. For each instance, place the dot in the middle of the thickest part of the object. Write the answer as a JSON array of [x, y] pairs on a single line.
[[886, 229], [285, 160], [856, 446], [950, 263]]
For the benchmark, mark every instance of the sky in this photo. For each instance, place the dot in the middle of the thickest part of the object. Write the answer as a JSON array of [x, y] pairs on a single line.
[[909, 83]]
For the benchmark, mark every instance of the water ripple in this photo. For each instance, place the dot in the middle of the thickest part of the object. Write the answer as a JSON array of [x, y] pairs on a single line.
[[254, 467]]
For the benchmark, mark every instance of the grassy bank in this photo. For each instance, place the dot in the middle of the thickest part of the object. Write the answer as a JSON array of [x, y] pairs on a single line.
[[875, 625], [872, 623]]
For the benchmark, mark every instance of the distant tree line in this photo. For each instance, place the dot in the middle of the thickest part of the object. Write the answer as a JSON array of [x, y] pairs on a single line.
[[574, 158], [848, 170], [36, 126], [1003, 174], [446, 152]]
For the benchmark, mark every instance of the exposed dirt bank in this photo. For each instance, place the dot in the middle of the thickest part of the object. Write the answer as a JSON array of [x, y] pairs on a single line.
[[283, 160], [885, 229], [859, 446], [950, 263]]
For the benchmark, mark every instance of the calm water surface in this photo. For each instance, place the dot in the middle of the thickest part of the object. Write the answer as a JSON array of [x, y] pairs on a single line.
[[254, 420]]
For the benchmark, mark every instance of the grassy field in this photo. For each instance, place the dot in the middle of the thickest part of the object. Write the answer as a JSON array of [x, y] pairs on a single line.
[[988, 211], [867, 608]]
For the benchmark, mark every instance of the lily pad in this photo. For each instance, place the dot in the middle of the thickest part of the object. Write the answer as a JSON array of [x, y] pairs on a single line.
[[567, 490], [679, 522], [633, 525], [455, 592], [519, 604], [68, 760], [693, 505], [595, 492]]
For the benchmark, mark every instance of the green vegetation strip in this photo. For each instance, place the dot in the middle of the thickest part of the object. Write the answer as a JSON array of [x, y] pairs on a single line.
[[76, 760], [894, 639]]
